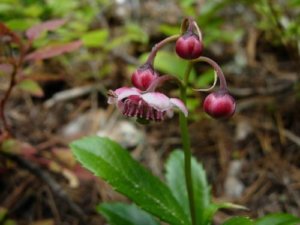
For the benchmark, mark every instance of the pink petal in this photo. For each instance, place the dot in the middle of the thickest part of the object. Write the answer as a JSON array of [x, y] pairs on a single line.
[[170, 113], [157, 100], [180, 105], [125, 92]]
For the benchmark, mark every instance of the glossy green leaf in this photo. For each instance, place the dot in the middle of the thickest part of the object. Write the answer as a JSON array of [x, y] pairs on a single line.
[[278, 219], [95, 38], [114, 164], [239, 221], [124, 214], [176, 181], [32, 87], [211, 210]]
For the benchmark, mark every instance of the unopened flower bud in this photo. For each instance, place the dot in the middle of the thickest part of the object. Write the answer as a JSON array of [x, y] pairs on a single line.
[[219, 104], [143, 77], [189, 46]]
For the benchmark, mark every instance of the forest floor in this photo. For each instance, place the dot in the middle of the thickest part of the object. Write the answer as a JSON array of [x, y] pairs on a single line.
[[253, 159]]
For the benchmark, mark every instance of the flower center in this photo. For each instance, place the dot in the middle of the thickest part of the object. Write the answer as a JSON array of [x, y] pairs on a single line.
[[134, 106]]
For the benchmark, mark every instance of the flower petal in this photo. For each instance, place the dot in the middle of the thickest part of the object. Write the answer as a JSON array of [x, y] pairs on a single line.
[[125, 92], [157, 100], [170, 113], [180, 105]]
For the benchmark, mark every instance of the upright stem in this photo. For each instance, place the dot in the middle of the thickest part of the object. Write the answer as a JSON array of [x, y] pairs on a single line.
[[5, 98], [187, 147], [16, 64]]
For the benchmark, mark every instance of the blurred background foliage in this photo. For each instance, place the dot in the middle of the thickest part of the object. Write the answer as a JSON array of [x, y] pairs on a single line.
[[116, 27], [127, 29], [257, 44]]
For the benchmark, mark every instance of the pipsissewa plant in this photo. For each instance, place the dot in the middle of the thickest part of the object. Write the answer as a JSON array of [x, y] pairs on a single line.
[[185, 197], [17, 54]]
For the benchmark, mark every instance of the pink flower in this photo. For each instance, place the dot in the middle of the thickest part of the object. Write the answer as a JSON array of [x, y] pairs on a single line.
[[150, 105], [143, 77], [219, 104]]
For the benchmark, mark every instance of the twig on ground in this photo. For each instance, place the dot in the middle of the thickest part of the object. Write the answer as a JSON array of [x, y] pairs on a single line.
[[71, 94], [46, 177], [125, 57], [272, 90]]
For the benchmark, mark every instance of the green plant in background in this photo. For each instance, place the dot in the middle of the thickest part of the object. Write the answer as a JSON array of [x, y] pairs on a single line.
[[280, 20], [185, 198], [17, 56], [85, 20]]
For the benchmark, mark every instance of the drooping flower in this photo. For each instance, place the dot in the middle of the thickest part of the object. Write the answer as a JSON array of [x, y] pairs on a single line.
[[189, 46], [143, 76], [155, 106], [219, 104]]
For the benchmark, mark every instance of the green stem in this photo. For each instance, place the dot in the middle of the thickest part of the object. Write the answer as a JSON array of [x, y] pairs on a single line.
[[187, 147]]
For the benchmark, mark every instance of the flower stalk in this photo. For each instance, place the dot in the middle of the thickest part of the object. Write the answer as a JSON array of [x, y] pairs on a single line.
[[145, 103], [158, 46], [187, 147], [217, 68]]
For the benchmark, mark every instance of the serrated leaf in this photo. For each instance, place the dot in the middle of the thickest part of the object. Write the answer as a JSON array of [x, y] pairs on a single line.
[[35, 31], [53, 50], [124, 214], [176, 180], [95, 38], [211, 210], [239, 221], [32, 87], [114, 164], [278, 219]]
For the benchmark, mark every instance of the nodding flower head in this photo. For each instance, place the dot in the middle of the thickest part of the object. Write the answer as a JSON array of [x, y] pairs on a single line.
[[155, 106], [189, 46], [219, 104], [143, 77]]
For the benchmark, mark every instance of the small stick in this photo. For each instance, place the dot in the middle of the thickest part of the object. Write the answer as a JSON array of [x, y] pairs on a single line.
[[47, 178]]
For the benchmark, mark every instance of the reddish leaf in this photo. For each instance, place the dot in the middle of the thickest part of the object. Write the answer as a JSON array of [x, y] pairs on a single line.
[[35, 31], [5, 69], [18, 147], [53, 50], [6, 35], [83, 174]]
